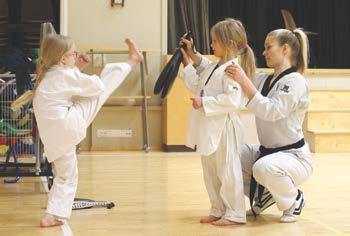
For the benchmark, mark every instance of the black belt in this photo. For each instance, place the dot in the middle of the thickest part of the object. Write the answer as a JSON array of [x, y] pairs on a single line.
[[264, 152]]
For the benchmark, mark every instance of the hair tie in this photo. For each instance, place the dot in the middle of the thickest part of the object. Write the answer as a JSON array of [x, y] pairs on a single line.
[[244, 49], [294, 32]]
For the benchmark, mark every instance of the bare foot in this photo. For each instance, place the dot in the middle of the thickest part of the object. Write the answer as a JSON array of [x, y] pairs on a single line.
[[49, 220], [224, 222], [208, 219], [134, 54]]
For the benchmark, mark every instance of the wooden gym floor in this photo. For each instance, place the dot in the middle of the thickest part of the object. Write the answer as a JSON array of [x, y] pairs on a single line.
[[163, 194]]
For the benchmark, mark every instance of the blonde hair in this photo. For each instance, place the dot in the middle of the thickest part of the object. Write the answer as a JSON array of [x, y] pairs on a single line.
[[233, 30], [298, 42], [52, 48]]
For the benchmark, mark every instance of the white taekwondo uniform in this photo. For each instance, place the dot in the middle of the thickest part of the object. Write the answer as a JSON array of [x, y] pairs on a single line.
[[216, 132], [65, 103], [279, 118]]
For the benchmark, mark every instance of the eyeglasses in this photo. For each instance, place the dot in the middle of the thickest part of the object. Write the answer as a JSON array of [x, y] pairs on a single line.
[[74, 54]]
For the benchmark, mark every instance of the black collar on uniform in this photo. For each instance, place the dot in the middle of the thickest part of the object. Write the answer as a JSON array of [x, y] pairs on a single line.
[[267, 88], [202, 91]]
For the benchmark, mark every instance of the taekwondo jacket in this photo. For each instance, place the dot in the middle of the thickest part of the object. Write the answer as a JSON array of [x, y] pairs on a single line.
[[222, 98], [279, 115], [61, 128]]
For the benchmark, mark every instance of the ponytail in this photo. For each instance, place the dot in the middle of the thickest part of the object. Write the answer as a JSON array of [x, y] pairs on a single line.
[[52, 48], [298, 42], [22, 100], [41, 69], [302, 58], [232, 30], [29, 95], [247, 62]]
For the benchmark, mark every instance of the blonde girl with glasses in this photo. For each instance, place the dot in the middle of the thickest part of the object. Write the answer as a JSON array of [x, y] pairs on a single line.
[[65, 103]]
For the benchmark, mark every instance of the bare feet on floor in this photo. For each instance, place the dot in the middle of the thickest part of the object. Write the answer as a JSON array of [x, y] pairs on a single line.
[[49, 220], [224, 222], [208, 219], [135, 55]]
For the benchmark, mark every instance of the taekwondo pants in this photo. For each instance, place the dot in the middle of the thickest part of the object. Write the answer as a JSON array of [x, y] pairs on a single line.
[[223, 178], [65, 168], [281, 172]]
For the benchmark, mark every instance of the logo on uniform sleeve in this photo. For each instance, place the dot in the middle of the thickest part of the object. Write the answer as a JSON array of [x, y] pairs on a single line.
[[285, 89], [232, 87]]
